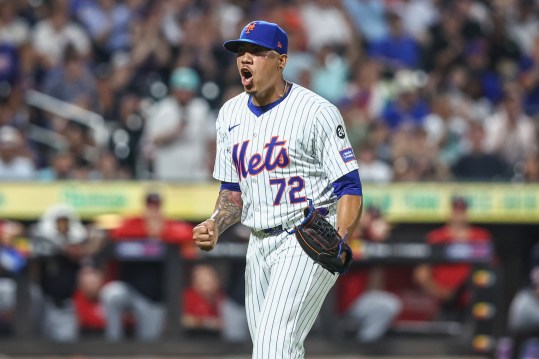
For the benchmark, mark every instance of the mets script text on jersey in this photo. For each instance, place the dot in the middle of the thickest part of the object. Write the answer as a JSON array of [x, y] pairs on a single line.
[[256, 164]]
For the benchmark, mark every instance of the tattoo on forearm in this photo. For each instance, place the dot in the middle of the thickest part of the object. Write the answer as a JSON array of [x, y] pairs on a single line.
[[227, 209]]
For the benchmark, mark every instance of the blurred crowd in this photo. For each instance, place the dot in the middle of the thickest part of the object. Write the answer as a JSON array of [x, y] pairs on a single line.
[[430, 90], [108, 278]]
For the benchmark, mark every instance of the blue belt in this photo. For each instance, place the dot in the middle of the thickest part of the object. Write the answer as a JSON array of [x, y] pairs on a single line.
[[273, 231]]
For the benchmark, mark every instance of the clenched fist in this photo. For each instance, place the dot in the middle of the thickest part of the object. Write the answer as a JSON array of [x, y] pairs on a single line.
[[205, 235]]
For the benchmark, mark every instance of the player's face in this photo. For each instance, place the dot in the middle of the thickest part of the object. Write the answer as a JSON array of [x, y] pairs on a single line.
[[258, 68]]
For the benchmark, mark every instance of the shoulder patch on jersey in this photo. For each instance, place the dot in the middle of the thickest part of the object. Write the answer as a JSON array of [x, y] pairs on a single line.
[[341, 133], [347, 155]]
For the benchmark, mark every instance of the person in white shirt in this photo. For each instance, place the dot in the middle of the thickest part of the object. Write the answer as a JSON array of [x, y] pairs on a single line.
[[13, 29], [13, 166], [371, 168], [180, 132], [509, 132], [52, 35]]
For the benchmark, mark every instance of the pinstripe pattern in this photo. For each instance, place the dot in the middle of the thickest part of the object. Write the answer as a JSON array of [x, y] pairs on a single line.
[[308, 124], [284, 293], [285, 289]]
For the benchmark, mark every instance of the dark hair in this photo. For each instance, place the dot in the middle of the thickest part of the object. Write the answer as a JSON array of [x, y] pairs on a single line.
[[71, 54], [459, 202], [153, 198], [374, 211]]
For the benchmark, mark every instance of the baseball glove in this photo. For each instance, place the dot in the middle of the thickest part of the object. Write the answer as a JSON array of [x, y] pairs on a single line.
[[321, 241]]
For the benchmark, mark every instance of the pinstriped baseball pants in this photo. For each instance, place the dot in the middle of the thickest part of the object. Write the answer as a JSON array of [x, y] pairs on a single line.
[[284, 292]]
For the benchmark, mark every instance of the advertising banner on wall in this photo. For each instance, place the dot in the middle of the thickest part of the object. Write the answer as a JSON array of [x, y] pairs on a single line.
[[401, 203]]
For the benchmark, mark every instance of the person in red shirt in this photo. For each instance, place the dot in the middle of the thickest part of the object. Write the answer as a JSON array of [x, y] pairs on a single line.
[[203, 301], [90, 313], [153, 224], [138, 287], [447, 283]]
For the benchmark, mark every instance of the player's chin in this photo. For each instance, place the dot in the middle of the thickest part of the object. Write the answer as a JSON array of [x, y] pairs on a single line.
[[250, 89]]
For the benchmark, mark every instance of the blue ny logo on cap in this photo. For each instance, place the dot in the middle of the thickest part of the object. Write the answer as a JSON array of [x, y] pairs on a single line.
[[261, 33]]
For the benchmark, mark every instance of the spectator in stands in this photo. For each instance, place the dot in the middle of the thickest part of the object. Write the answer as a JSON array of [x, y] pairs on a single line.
[[509, 131], [128, 127], [476, 54], [150, 54], [80, 142], [448, 283], [9, 71], [529, 77], [361, 291], [62, 166], [14, 166], [522, 25], [445, 129], [28, 69], [380, 137], [13, 112], [72, 80], [369, 18], [83, 171], [414, 157], [417, 17], [408, 108], [203, 301], [54, 33], [371, 168], [299, 57], [398, 50], [108, 23], [329, 74], [367, 92], [477, 164], [444, 45], [337, 32], [179, 131], [138, 287], [107, 168], [466, 96], [60, 230], [504, 53], [13, 29]]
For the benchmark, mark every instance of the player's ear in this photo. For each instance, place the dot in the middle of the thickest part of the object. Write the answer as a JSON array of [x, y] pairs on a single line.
[[282, 61]]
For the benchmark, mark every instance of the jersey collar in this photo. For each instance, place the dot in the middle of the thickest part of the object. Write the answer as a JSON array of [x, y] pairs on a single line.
[[260, 110]]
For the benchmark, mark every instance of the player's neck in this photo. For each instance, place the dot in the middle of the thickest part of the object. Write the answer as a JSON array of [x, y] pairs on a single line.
[[272, 94]]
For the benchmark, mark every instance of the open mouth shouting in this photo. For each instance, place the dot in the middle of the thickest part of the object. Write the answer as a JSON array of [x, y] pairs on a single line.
[[246, 77]]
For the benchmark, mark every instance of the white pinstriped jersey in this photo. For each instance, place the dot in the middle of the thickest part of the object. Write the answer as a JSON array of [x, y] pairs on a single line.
[[289, 153]]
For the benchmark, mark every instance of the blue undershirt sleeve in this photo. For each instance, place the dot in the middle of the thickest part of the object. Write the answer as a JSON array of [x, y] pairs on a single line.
[[231, 186], [348, 184]]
